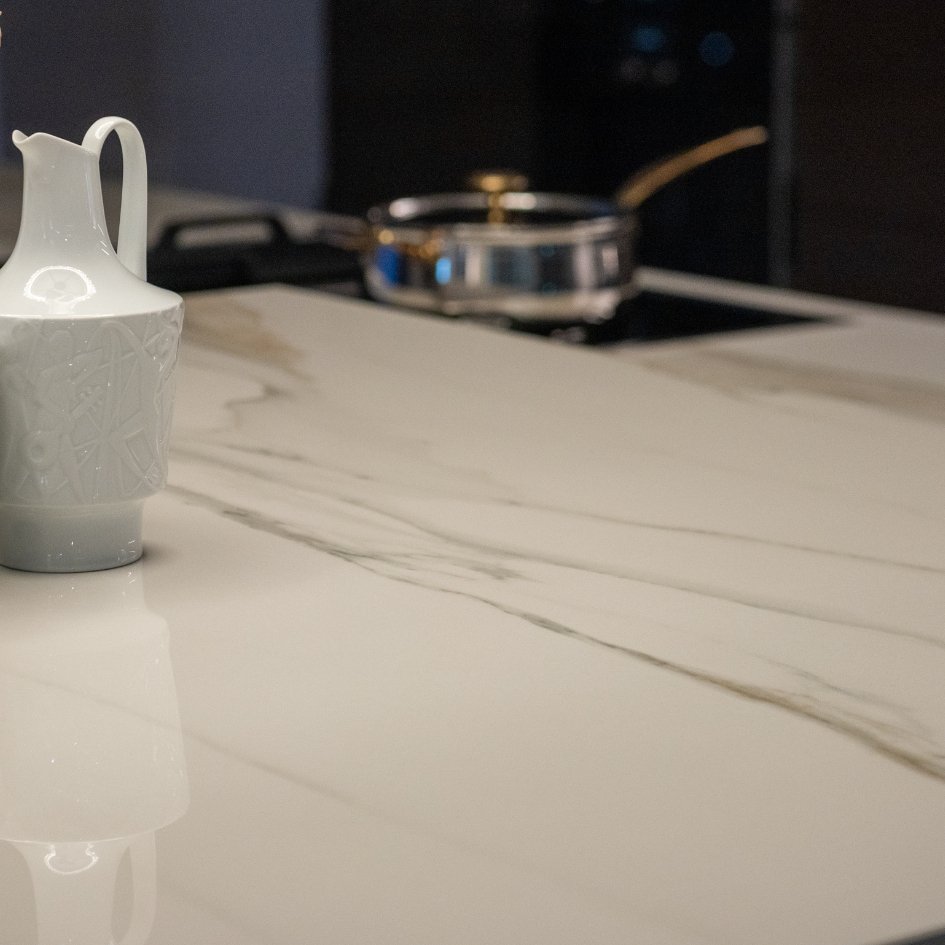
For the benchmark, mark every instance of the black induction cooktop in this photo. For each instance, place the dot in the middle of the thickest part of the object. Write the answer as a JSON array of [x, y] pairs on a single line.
[[656, 316]]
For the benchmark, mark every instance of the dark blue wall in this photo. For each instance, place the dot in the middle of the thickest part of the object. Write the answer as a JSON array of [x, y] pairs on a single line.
[[230, 95]]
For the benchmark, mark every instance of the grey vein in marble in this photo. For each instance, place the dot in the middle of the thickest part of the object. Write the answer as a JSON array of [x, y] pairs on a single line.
[[888, 740], [403, 559]]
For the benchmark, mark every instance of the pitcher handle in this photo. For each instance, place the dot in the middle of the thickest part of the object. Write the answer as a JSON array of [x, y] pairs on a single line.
[[144, 883], [133, 222]]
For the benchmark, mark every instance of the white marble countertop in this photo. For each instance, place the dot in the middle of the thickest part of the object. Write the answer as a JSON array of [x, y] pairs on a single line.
[[451, 637]]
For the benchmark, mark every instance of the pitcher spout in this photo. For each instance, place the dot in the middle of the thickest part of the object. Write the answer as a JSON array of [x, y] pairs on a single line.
[[41, 148], [45, 146], [63, 214]]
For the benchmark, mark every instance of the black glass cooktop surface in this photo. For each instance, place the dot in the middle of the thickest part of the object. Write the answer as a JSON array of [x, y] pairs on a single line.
[[655, 316]]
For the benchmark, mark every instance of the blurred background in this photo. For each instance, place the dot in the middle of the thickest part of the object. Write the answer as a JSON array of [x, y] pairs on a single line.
[[340, 104]]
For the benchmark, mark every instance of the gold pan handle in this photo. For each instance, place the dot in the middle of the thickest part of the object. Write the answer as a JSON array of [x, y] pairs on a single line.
[[644, 183]]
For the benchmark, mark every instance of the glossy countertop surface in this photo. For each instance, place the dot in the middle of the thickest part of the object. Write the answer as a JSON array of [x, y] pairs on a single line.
[[445, 636]]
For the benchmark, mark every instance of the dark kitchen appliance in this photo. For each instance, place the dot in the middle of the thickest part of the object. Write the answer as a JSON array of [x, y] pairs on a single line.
[[574, 93], [624, 81]]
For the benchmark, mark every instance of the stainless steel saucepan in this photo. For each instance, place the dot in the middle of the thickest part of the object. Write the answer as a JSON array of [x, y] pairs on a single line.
[[502, 250]]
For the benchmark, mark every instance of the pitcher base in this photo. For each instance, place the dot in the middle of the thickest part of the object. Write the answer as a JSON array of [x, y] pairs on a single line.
[[87, 538]]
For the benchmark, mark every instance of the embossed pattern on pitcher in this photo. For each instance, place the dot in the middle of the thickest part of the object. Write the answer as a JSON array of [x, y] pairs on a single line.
[[86, 406]]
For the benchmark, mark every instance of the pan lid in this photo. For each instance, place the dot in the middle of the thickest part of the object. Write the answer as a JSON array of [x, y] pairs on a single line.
[[523, 216]]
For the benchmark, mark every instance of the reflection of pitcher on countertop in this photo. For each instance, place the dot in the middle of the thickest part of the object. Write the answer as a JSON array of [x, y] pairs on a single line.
[[91, 755], [87, 356]]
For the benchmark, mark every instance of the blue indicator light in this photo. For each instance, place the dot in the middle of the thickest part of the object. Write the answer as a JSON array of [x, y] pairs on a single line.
[[716, 49], [648, 39]]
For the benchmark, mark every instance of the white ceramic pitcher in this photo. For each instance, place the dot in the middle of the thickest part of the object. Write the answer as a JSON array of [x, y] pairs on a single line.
[[87, 357]]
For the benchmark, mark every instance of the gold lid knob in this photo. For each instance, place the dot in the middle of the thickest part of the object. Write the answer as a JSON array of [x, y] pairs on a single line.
[[496, 184]]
